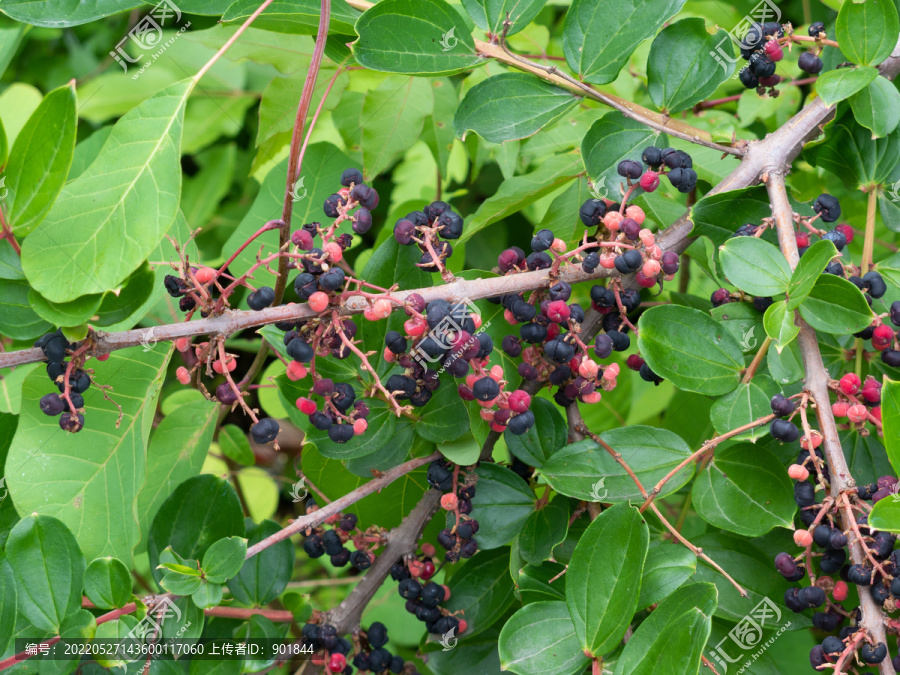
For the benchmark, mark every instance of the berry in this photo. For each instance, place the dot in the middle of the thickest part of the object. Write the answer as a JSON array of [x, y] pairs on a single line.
[[811, 596], [365, 195], [629, 169], [859, 575], [592, 212], [300, 351], [449, 502], [829, 208], [785, 564], [810, 63], [340, 433], [337, 663], [782, 406], [649, 181], [318, 301], [542, 240], [874, 284], [265, 430], [410, 589], [351, 177], [803, 538], [784, 431], [873, 654], [52, 404], [360, 560], [850, 384], [71, 423], [521, 423], [816, 28], [261, 298]]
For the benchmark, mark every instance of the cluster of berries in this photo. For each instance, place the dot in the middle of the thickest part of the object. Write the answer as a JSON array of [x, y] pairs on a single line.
[[201, 287], [857, 400], [430, 229], [56, 347], [324, 637], [458, 540], [423, 597], [810, 62], [342, 416], [331, 541], [373, 657], [761, 49]]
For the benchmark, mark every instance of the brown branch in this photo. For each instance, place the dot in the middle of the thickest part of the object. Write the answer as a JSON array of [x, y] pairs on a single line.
[[817, 386]]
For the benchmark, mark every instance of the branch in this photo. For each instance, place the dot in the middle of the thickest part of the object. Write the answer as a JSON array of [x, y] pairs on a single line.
[[817, 386], [320, 515]]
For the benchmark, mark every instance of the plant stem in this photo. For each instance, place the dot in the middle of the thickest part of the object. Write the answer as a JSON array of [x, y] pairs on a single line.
[[754, 364]]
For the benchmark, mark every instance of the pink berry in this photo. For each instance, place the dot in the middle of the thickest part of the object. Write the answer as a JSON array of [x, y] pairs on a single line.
[[802, 239], [839, 592], [850, 383], [636, 213], [102, 357], [797, 472], [183, 375], [359, 427], [593, 397], [857, 413], [383, 308], [558, 311], [816, 438], [497, 373], [449, 502], [649, 181], [318, 301], [648, 239], [558, 245], [462, 626], [774, 51], [607, 261], [651, 268], [486, 415], [612, 369], [445, 587], [882, 337], [220, 367], [415, 327], [840, 408], [588, 369], [302, 240], [204, 275], [306, 406], [428, 549], [643, 280], [612, 220], [334, 250], [296, 371], [803, 538], [519, 401], [182, 344]]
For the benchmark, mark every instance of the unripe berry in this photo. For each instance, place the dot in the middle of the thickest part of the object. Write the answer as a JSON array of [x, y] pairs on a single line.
[[220, 367], [651, 269], [802, 239], [649, 181], [182, 344], [612, 220], [840, 408], [643, 280], [359, 427], [857, 413], [648, 239], [389, 356], [558, 245], [204, 275], [798, 472], [839, 592], [607, 261], [846, 230], [519, 401], [296, 371], [463, 625], [102, 357], [803, 538], [588, 369], [302, 240], [449, 502], [558, 311], [816, 438], [337, 663], [850, 383], [334, 251], [882, 337], [383, 308], [774, 51], [306, 406], [318, 301], [428, 549], [183, 375], [635, 212], [415, 327], [593, 397]]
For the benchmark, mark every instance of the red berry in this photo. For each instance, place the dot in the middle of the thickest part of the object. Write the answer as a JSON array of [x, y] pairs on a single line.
[[846, 230], [302, 239], [337, 663], [872, 395], [802, 239], [183, 375], [306, 406], [649, 181], [204, 275], [803, 538], [318, 301], [840, 408], [798, 472], [839, 592], [359, 427], [558, 311], [296, 371], [462, 626], [428, 549], [634, 362], [774, 51], [428, 569], [882, 337], [857, 413], [519, 401], [850, 382]]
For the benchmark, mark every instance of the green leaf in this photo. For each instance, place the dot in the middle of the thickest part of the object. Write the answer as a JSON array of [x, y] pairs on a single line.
[[484, 589], [17, 319], [890, 407], [503, 501], [386, 137], [63, 13], [278, 106], [885, 515], [611, 139], [877, 107], [235, 445], [296, 17], [264, 576], [518, 192], [755, 266], [417, 37], [599, 36], [224, 559], [747, 403], [533, 582], [836, 85], [181, 583], [836, 306], [718, 216], [543, 530], [445, 417], [11, 380], [665, 569], [672, 638], [490, 15], [10, 265], [72, 313], [811, 266], [585, 471], [198, 513], [91, 480], [208, 595], [131, 192], [680, 71], [40, 160], [780, 324], [691, 349], [175, 452], [745, 489], [867, 31], [888, 208], [47, 563], [849, 151], [107, 583], [539, 640], [548, 435], [8, 605], [511, 106], [604, 577]]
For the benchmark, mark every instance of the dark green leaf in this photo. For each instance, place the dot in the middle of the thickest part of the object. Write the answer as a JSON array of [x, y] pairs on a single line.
[[745, 489], [781, 324], [690, 348], [672, 638], [836, 85], [585, 471], [808, 270], [755, 266], [539, 640], [107, 583], [264, 576], [39, 160], [503, 502], [235, 445], [417, 37], [297, 17], [17, 319], [198, 513], [63, 13], [46, 561], [511, 106], [890, 410], [785, 367], [718, 216], [490, 15], [224, 559], [680, 71], [543, 530], [386, 137], [667, 566], [611, 139], [534, 582], [745, 404], [548, 435], [836, 306], [867, 31], [72, 313], [483, 588], [8, 604], [603, 580], [600, 35], [877, 107], [445, 418]]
